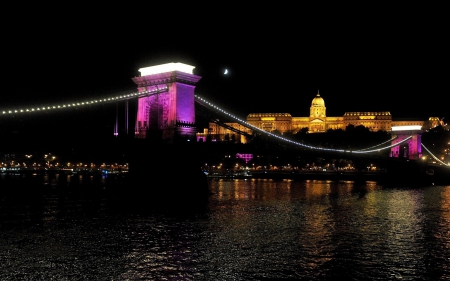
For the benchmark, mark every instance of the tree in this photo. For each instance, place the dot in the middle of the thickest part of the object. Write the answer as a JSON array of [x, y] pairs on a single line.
[[349, 128], [276, 132]]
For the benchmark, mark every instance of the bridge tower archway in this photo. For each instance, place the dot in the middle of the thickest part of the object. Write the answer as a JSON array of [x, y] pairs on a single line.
[[410, 148], [167, 112], [403, 150]]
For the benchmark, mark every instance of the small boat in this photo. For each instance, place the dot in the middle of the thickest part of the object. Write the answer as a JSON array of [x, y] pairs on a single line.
[[429, 171]]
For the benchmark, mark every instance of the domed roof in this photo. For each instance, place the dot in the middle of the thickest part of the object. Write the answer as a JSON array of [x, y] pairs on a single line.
[[318, 101]]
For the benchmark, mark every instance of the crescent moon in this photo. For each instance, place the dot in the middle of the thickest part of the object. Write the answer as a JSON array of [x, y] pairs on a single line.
[[226, 71]]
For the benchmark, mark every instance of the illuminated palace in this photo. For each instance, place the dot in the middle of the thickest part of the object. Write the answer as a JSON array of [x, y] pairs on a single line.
[[316, 122]]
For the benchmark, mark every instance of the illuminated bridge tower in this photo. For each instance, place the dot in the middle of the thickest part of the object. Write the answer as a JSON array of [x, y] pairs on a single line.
[[168, 110], [411, 149]]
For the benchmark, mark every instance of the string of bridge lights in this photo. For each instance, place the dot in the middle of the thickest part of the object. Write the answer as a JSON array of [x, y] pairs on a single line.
[[153, 91], [250, 126], [388, 141], [434, 157]]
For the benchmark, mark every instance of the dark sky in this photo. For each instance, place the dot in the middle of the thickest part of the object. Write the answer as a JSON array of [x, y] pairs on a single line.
[[366, 59]]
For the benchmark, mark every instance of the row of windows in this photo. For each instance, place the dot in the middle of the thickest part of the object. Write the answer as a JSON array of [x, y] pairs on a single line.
[[366, 113], [269, 114], [409, 123]]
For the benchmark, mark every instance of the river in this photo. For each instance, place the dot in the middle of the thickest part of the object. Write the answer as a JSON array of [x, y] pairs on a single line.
[[76, 227]]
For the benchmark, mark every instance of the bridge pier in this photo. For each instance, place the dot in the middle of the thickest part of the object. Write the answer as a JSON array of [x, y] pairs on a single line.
[[409, 139], [170, 112]]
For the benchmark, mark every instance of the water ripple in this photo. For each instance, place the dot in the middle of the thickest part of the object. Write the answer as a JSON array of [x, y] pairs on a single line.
[[251, 230]]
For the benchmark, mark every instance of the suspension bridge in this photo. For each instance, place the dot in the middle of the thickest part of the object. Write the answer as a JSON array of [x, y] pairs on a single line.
[[167, 104]]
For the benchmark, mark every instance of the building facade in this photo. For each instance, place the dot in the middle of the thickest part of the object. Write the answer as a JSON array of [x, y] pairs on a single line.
[[316, 122]]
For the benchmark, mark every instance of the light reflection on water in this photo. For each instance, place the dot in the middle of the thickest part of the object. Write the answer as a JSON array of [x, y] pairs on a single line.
[[77, 228]]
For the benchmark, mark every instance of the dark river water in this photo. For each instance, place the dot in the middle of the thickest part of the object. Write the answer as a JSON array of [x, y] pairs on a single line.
[[62, 227]]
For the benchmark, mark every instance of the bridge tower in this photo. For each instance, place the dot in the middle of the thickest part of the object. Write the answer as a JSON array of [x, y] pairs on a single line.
[[411, 149], [168, 110]]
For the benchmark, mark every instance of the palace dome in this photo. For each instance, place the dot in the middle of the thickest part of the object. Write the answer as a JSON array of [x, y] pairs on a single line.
[[318, 101]]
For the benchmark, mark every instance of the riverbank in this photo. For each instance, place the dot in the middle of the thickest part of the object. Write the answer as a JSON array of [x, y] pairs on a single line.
[[322, 175], [411, 175]]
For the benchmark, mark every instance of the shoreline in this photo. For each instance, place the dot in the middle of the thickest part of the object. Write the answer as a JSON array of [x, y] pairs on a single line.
[[438, 176]]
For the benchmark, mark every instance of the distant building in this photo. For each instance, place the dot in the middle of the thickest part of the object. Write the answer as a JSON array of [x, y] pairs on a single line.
[[316, 122]]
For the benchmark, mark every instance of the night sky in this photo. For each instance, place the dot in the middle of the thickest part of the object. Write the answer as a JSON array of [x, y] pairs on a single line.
[[376, 60]]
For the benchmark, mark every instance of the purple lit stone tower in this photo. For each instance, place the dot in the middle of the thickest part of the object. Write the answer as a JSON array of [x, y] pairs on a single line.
[[168, 110], [411, 149]]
